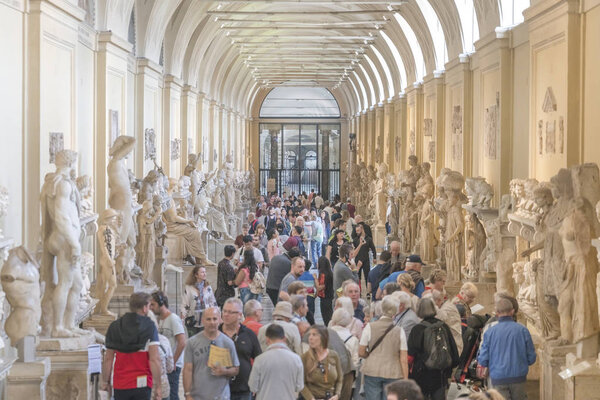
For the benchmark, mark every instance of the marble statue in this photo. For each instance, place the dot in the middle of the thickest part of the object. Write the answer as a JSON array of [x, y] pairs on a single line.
[[380, 194], [119, 186], [229, 189], [454, 237], [414, 173], [479, 192], [209, 201], [106, 280], [84, 185], [135, 184], [425, 185], [87, 264], [21, 283], [160, 227], [549, 319], [185, 229], [61, 254], [524, 276], [475, 241], [504, 272], [427, 239], [196, 177], [149, 186], [577, 301], [146, 247]]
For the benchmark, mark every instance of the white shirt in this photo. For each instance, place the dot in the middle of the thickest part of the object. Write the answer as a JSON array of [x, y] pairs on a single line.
[[258, 256], [366, 337]]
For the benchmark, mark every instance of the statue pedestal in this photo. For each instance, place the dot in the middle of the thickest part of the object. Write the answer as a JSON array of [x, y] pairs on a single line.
[[584, 385], [552, 361], [379, 236], [100, 323], [68, 357], [28, 380]]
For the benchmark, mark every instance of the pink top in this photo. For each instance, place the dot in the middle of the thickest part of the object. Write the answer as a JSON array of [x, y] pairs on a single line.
[[246, 282]]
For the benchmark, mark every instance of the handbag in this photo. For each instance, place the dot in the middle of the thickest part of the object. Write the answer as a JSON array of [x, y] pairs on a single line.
[[380, 339]]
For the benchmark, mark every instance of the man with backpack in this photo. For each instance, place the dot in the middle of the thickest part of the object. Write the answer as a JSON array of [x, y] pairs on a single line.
[[432, 352]]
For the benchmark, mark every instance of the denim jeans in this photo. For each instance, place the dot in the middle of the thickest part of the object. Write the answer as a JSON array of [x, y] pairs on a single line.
[[315, 251], [174, 383], [246, 294], [513, 391], [374, 387]]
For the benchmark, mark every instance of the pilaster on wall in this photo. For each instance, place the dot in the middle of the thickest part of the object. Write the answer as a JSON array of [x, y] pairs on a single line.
[[387, 148], [148, 114], [379, 134], [364, 137], [189, 124], [50, 98], [111, 95], [458, 115], [492, 111], [210, 134], [400, 132], [555, 128], [432, 149], [414, 110], [371, 136], [171, 132]]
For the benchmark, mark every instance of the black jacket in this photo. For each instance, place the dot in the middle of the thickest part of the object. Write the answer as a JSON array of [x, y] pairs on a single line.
[[429, 379], [131, 333], [248, 348]]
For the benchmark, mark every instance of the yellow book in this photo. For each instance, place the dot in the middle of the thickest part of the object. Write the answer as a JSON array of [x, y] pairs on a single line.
[[219, 357]]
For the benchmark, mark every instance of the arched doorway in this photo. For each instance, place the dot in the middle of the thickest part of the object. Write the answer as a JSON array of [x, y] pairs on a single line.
[[300, 156]]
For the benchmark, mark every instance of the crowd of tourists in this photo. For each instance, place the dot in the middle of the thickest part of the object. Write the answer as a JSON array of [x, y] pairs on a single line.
[[380, 333]]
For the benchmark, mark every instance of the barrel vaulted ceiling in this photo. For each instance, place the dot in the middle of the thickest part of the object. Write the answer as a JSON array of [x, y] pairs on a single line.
[[364, 51]]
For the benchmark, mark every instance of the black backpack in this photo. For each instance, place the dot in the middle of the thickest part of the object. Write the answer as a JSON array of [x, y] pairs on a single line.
[[437, 346]]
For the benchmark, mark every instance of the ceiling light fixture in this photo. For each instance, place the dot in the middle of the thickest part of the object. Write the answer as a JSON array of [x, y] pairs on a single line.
[[390, 8], [220, 6]]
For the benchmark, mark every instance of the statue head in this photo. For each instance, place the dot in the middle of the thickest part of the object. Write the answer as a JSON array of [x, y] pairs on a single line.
[[152, 177], [562, 184], [173, 183], [425, 167], [192, 158], [413, 160], [542, 195], [122, 146], [65, 159], [84, 185]]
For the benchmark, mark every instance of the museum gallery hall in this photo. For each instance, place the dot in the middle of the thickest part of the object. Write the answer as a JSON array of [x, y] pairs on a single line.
[[138, 136]]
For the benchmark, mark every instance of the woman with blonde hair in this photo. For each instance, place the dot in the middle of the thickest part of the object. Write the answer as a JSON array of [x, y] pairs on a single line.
[[407, 285], [197, 297], [323, 376]]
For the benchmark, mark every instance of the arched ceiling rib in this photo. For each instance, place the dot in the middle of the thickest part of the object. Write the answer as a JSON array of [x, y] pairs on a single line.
[[208, 44]]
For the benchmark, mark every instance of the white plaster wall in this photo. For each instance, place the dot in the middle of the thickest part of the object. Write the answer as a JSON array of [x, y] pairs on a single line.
[[85, 109], [520, 122], [11, 115]]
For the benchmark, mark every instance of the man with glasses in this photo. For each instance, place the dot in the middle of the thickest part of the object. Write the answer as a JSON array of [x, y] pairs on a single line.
[[201, 382], [246, 346], [253, 312]]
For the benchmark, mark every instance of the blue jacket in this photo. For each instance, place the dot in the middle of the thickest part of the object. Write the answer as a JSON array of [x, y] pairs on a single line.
[[507, 350]]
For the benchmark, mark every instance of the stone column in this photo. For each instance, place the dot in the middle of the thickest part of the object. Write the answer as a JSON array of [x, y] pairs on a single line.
[[171, 125], [388, 134], [189, 124], [211, 134], [371, 134], [325, 162]]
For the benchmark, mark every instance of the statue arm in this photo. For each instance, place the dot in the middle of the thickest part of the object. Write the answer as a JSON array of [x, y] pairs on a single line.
[[103, 250], [532, 249]]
